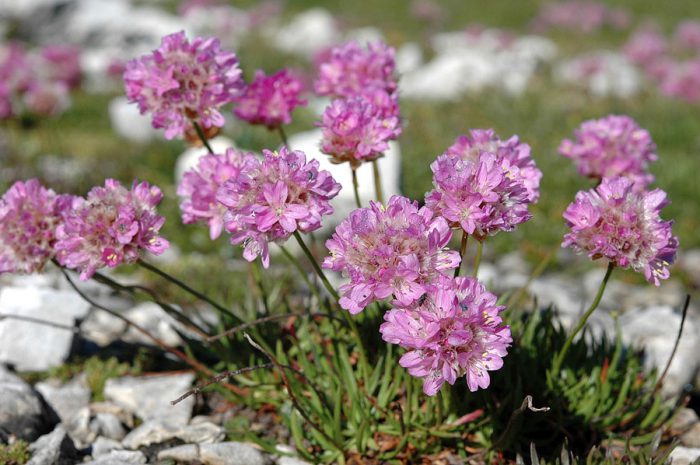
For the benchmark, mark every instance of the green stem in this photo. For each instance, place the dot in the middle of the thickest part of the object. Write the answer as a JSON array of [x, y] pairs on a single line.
[[293, 260], [351, 322], [462, 251], [477, 260], [202, 137], [379, 192], [356, 188], [582, 322], [283, 136], [188, 289], [316, 267]]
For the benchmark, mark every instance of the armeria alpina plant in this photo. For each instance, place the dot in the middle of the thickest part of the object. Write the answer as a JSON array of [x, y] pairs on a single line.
[[332, 371]]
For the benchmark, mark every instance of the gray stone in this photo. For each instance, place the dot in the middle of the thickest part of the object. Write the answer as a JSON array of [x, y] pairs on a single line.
[[32, 346], [158, 431], [223, 453], [55, 448], [66, 399], [153, 319], [691, 437], [108, 425], [102, 328], [684, 455], [119, 457], [78, 427], [23, 413], [148, 397], [103, 446], [654, 328]]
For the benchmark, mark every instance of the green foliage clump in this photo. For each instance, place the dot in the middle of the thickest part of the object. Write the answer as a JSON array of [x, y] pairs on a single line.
[[15, 453]]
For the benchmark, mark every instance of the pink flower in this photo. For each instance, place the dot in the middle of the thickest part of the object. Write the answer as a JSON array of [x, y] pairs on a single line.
[[200, 185], [270, 199], [580, 16], [612, 146], [683, 81], [617, 222], [352, 71], [270, 100], [61, 63], [454, 331], [184, 81], [395, 250], [355, 130], [484, 185], [110, 227], [646, 46], [687, 35], [29, 216]]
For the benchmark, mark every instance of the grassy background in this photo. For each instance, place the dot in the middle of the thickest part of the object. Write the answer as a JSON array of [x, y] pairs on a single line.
[[542, 116]]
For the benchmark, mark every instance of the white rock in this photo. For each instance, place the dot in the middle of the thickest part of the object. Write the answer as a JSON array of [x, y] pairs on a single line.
[[225, 453], [103, 446], [32, 346], [654, 329], [684, 455], [22, 411], [148, 397], [157, 431], [119, 457], [409, 57], [66, 399], [102, 328], [190, 157], [153, 319], [108, 425], [344, 202], [308, 33], [129, 123], [601, 73], [291, 461], [53, 448]]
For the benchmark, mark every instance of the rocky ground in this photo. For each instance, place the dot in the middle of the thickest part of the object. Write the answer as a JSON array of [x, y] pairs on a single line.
[[132, 420]]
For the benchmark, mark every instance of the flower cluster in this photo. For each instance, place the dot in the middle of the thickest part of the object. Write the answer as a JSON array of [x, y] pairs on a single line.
[[270, 100], [484, 185], [272, 198], [398, 250], [37, 82], [616, 222], [581, 16], [455, 331], [200, 185], [184, 82], [612, 146], [110, 227], [29, 216], [355, 130], [351, 71]]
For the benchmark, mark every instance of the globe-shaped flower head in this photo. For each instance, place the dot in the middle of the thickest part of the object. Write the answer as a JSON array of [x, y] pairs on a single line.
[[200, 185], [184, 82], [110, 227], [29, 216], [270, 100], [454, 331], [484, 185], [618, 223], [271, 199], [610, 147], [395, 250]]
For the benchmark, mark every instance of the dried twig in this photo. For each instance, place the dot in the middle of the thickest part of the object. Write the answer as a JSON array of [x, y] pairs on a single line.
[[220, 377], [39, 321], [525, 405], [292, 395], [675, 345]]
